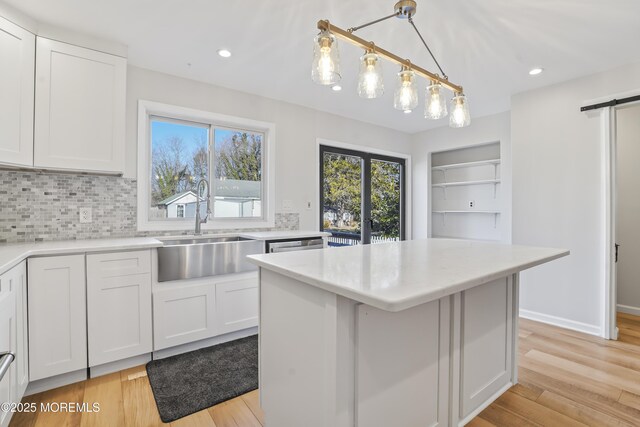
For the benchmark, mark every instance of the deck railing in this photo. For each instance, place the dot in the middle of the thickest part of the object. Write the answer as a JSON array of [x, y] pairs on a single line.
[[343, 238]]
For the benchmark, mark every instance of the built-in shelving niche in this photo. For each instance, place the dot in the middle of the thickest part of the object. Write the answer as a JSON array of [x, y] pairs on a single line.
[[465, 193]]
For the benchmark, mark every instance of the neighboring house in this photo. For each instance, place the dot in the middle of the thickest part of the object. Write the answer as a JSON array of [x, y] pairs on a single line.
[[235, 198], [183, 205], [232, 199]]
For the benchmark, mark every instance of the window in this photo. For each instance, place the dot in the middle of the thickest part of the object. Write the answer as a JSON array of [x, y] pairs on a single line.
[[179, 147], [362, 196]]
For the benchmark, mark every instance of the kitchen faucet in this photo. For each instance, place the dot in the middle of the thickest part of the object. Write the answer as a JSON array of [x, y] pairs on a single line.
[[200, 221]]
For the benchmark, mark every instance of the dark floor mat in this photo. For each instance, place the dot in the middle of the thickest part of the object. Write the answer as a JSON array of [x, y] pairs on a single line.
[[193, 381]]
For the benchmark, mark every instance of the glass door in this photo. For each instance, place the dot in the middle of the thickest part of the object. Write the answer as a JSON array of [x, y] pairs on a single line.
[[361, 196]]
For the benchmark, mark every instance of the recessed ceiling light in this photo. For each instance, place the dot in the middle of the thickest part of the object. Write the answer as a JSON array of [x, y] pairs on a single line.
[[336, 88], [407, 111], [224, 53], [535, 71]]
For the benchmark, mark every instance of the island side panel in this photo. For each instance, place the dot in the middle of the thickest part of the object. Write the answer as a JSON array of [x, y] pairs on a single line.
[[306, 340], [402, 366], [484, 346]]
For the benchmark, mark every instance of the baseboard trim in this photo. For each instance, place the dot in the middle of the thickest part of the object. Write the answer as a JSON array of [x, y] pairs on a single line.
[[55, 381], [119, 365], [207, 342], [561, 322], [628, 309]]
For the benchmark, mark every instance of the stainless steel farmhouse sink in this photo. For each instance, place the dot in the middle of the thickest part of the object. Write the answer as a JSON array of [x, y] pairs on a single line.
[[190, 258]]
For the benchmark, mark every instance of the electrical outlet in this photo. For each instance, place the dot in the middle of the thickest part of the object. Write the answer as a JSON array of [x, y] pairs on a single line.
[[85, 215], [287, 205], [471, 203]]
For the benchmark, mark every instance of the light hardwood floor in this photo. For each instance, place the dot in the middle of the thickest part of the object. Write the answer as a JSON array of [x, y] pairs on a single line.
[[566, 379]]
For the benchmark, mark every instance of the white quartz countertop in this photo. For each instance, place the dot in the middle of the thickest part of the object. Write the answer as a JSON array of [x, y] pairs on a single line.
[[13, 253], [278, 235], [400, 275]]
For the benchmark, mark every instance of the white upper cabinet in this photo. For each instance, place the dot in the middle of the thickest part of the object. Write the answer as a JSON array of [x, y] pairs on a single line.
[[17, 56], [79, 108]]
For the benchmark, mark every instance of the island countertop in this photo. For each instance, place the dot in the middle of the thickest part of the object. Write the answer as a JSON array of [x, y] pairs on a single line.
[[396, 276]]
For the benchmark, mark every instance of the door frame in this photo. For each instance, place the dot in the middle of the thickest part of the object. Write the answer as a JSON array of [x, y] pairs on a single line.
[[608, 137], [378, 153]]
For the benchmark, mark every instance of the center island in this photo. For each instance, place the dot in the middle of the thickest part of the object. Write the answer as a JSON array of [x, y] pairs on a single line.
[[402, 334]]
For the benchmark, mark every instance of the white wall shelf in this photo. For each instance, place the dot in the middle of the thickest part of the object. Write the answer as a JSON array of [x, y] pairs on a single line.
[[478, 212], [445, 212], [466, 164], [478, 182]]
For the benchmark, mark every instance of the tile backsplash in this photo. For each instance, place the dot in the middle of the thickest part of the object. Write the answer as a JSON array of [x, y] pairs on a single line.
[[39, 206]]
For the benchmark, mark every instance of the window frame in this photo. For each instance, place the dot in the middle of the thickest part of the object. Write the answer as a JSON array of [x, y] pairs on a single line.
[[149, 109]]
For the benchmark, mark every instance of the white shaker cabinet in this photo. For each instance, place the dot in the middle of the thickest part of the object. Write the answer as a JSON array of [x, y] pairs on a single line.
[[57, 316], [79, 108], [184, 313], [237, 302], [119, 305], [17, 56], [13, 336]]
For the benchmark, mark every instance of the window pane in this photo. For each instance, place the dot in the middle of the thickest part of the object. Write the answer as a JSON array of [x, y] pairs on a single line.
[[179, 159], [385, 201], [237, 190], [342, 194]]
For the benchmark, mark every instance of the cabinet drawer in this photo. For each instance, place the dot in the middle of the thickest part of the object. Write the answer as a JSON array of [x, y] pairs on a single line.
[[119, 264]]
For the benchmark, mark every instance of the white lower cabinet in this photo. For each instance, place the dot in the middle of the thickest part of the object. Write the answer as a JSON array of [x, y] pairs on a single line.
[[57, 316], [13, 336], [237, 302], [184, 312], [118, 306]]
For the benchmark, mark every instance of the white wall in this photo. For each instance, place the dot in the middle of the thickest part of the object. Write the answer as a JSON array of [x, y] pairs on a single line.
[[296, 130], [482, 131], [558, 197], [628, 208]]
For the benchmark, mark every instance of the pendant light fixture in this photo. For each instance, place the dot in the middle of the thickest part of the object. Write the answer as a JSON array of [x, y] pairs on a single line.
[[326, 70], [370, 82], [435, 106], [459, 111], [406, 95]]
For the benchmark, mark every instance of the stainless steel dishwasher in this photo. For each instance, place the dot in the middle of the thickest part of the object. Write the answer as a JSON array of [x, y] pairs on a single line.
[[275, 246]]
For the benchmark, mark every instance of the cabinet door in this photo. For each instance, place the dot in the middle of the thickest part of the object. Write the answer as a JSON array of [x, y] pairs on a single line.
[[57, 316], [237, 302], [485, 347], [19, 278], [17, 56], [7, 343], [183, 314], [118, 306], [79, 108]]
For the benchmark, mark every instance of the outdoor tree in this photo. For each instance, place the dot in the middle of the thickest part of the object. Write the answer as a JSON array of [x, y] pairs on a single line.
[[341, 188], [240, 157], [171, 174]]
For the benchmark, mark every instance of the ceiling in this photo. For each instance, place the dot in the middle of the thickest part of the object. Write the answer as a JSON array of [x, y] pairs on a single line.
[[488, 46]]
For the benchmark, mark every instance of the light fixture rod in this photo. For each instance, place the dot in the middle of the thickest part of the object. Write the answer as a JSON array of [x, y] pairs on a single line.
[[325, 25], [352, 29], [427, 46]]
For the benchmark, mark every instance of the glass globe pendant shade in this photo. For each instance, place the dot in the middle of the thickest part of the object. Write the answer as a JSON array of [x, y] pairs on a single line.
[[406, 94], [325, 68], [370, 82], [435, 105], [459, 111]]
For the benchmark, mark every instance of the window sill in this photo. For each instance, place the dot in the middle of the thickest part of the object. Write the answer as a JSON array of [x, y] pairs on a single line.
[[215, 225]]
